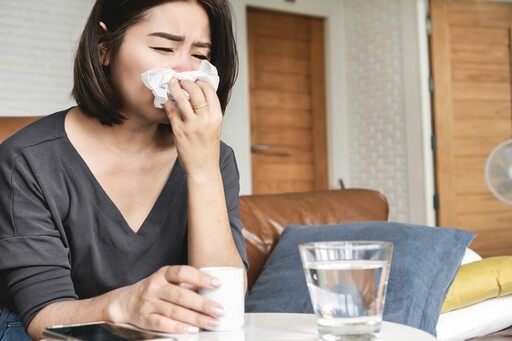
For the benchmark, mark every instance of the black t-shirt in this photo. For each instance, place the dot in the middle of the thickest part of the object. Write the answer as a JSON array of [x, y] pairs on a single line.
[[61, 236]]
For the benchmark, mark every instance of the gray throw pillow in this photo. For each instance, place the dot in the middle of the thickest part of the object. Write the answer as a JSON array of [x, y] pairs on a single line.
[[425, 261]]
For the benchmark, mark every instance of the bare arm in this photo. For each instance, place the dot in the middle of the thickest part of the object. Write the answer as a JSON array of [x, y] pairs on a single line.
[[68, 312], [210, 238], [197, 136], [165, 301]]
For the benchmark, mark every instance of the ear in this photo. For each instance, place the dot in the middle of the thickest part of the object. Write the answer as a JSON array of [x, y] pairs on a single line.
[[104, 57]]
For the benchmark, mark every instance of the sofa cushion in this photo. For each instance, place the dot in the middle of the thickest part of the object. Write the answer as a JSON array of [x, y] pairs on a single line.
[[425, 261], [478, 281]]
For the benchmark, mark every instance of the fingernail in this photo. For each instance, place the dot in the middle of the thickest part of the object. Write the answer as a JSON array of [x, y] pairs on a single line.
[[192, 330], [174, 80], [218, 311], [212, 323], [214, 282]]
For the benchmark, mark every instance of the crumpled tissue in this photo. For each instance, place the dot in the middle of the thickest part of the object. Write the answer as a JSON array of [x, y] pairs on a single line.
[[157, 80]]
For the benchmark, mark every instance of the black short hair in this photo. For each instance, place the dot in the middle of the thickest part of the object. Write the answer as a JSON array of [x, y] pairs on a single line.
[[93, 88]]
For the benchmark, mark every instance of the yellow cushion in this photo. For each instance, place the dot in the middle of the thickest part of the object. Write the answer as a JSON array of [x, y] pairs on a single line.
[[478, 281]]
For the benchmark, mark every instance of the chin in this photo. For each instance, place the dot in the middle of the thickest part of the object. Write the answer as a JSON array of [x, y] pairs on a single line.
[[159, 116]]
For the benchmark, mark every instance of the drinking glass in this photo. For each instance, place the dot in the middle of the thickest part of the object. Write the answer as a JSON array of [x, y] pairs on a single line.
[[347, 284]]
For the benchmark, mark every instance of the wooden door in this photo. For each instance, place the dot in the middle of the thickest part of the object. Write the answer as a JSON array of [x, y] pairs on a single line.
[[471, 65], [287, 102]]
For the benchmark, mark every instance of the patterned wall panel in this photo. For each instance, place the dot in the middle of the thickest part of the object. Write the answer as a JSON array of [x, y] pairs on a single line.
[[375, 100]]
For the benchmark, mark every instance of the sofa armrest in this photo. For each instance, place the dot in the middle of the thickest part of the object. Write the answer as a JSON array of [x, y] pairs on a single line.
[[265, 216]]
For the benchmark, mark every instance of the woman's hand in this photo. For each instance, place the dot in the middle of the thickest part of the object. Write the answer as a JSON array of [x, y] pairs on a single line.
[[166, 302], [196, 125]]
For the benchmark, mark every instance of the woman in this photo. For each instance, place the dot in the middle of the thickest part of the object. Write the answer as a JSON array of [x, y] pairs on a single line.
[[106, 212]]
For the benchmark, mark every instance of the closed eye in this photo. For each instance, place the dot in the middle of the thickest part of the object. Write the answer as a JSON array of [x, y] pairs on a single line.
[[200, 56], [163, 49]]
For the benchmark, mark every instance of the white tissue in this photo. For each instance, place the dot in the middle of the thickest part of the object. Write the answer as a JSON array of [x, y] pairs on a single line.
[[157, 80]]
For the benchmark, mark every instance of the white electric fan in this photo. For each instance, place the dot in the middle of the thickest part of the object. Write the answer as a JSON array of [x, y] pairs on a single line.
[[498, 171]]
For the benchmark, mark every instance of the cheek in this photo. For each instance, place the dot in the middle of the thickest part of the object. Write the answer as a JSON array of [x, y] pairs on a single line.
[[126, 76]]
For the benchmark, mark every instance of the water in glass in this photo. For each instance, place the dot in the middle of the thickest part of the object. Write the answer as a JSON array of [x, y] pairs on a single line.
[[348, 297]]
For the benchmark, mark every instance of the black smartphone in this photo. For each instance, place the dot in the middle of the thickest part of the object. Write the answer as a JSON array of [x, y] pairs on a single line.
[[100, 331]]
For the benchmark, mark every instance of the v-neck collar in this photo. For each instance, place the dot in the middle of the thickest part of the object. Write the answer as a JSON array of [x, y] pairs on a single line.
[[163, 205]]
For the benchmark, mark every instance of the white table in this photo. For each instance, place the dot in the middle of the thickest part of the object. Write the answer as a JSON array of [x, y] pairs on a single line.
[[296, 327], [291, 327]]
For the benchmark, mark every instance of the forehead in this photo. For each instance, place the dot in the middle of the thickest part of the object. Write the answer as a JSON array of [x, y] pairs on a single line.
[[185, 18]]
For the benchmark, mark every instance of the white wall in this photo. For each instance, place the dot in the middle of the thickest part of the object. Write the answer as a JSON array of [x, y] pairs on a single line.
[[37, 42]]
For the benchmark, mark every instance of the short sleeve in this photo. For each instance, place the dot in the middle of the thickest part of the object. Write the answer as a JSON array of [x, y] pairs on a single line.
[[34, 262], [231, 181]]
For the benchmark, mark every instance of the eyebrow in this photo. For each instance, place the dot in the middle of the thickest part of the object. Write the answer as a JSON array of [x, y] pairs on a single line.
[[174, 37]]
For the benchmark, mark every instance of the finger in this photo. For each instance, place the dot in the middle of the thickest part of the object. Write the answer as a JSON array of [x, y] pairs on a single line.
[[161, 323], [188, 286], [173, 114], [180, 99], [190, 275], [188, 299], [210, 96], [197, 98], [188, 316]]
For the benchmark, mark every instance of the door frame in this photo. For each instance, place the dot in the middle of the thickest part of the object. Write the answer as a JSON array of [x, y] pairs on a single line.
[[238, 129], [419, 115]]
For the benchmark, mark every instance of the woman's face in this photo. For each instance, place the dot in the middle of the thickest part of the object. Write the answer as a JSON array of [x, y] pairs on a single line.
[[173, 35]]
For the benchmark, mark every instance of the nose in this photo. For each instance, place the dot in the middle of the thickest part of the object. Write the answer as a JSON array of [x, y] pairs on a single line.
[[183, 63]]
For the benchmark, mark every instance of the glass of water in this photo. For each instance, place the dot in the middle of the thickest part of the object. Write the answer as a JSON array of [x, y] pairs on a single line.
[[347, 284]]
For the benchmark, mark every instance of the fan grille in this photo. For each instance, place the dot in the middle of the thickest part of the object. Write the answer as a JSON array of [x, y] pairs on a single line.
[[498, 172]]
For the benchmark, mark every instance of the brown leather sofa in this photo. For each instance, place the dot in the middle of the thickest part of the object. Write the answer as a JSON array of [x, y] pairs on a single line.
[[265, 216], [9, 124]]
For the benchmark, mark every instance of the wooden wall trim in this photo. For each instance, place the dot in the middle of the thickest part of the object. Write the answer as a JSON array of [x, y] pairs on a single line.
[[318, 105], [443, 110]]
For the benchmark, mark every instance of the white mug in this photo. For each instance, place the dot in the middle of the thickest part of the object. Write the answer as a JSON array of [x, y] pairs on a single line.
[[230, 295]]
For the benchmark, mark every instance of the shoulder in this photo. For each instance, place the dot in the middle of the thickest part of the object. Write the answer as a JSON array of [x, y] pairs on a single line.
[[227, 154], [228, 163], [47, 128]]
